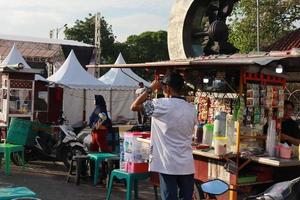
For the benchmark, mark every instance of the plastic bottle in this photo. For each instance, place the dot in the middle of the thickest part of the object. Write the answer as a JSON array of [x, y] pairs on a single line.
[[199, 133], [271, 138], [220, 124], [207, 134], [122, 157]]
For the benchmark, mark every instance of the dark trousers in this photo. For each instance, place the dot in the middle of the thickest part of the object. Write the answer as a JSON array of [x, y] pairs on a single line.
[[169, 185]]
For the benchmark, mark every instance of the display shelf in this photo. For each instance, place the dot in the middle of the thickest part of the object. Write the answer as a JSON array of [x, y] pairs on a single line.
[[211, 154], [276, 162], [20, 115], [259, 137]]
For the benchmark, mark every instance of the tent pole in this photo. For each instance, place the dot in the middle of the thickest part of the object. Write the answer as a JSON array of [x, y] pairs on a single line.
[[84, 105], [110, 103]]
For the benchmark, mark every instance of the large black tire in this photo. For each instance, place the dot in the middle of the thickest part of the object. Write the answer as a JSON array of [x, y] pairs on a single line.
[[68, 153]]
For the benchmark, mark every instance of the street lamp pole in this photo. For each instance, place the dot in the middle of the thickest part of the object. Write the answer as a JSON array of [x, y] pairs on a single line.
[[57, 31], [257, 25]]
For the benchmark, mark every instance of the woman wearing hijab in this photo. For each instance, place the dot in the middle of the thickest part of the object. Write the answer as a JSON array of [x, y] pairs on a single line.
[[100, 127]]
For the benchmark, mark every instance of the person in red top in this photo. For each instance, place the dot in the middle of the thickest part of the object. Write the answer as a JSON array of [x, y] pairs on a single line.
[[100, 126]]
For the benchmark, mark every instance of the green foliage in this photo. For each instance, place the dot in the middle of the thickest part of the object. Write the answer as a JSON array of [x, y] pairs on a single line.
[[146, 47], [84, 31], [277, 18]]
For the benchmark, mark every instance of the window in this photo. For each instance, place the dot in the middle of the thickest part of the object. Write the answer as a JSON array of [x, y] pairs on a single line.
[[20, 101]]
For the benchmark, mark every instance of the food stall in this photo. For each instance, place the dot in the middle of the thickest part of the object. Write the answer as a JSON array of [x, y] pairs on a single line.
[[17, 93], [235, 96]]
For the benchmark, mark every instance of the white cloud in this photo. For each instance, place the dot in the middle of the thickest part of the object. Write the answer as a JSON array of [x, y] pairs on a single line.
[[36, 18]]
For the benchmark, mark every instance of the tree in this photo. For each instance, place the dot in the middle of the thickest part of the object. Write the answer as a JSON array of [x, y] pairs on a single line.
[[277, 18], [84, 31], [146, 47]]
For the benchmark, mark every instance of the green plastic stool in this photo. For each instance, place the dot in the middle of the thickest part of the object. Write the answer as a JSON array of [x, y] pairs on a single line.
[[7, 149], [130, 178], [8, 193], [98, 158]]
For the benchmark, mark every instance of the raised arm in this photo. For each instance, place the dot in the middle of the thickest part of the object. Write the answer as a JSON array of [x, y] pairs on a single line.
[[290, 139], [137, 104]]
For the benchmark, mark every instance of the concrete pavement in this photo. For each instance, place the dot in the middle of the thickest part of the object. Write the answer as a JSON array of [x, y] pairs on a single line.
[[48, 180]]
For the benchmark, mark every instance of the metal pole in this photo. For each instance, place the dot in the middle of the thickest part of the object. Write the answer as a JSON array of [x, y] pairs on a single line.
[[84, 105], [57, 33], [97, 43], [257, 25]]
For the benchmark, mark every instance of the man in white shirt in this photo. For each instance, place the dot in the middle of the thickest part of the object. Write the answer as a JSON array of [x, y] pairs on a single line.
[[172, 127]]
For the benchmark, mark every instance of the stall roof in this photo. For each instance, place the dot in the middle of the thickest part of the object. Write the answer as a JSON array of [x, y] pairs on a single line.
[[288, 58], [289, 41]]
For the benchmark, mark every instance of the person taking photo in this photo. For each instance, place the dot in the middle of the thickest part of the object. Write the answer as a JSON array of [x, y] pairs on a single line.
[[172, 127]]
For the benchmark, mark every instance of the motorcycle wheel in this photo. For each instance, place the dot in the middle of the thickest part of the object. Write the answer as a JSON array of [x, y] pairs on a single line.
[[197, 194], [16, 158], [69, 152]]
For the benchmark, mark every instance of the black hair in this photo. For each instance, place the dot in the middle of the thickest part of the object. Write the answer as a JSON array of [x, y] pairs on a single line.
[[288, 102], [174, 80], [100, 102]]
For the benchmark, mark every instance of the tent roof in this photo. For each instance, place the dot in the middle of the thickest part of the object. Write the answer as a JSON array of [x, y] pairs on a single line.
[[122, 77], [15, 57], [72, 74]]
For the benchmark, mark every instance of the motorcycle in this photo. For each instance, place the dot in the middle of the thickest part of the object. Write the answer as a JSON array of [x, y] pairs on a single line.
[[60, 146], [286, 190]]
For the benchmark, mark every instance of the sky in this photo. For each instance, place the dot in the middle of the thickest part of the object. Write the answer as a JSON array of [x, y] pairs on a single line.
[[36, 18]]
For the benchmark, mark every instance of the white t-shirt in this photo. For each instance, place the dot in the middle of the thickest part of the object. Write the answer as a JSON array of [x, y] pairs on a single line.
[[172, 127]]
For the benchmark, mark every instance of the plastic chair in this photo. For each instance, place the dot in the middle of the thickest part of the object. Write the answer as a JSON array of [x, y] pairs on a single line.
[[81, 163], [131, 178], [98, 158], [113, 141], [8, 193], [7, 149], [19, 133]]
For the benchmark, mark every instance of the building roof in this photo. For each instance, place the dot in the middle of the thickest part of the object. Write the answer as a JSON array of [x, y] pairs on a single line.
[[43, 40], [289, 41], [38, 51]]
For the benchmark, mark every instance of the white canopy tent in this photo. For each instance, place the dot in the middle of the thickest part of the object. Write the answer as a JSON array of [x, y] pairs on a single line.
[[14, 57], [122, 77], [123, 84], [76, 81]]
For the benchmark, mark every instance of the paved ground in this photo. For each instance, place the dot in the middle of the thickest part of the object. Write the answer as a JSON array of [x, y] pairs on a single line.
[[48, 180]]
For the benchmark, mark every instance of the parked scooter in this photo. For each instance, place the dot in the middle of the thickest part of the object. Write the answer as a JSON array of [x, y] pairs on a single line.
[[60, 146], [287, 190]]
